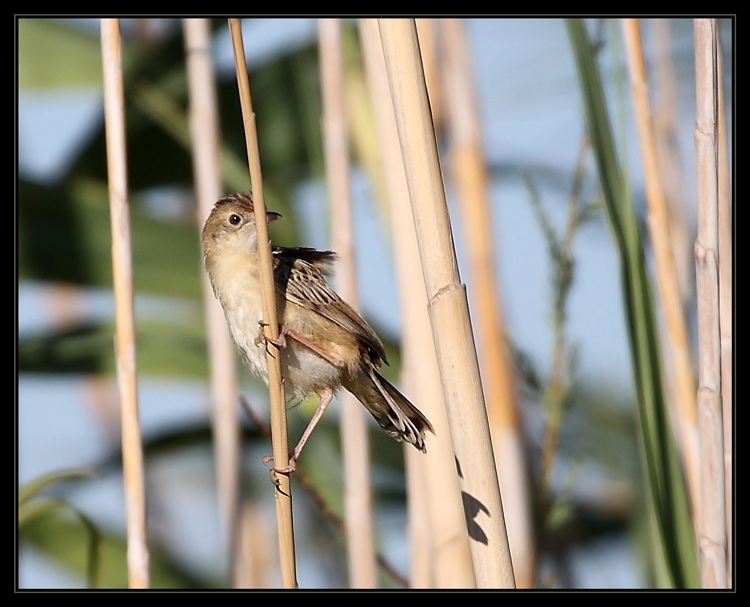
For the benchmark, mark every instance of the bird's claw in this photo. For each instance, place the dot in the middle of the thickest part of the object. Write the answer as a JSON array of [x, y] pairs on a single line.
[[279, 342], [274, 472]]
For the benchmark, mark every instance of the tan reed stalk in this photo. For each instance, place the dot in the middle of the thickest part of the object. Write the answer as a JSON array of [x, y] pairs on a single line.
[[713, 528], [469, 174], [677, 347], [355, 444], [256, 546], [428, 33], [283, 492], [417, 509], [122, 271], [392, 193], [680, 231], [448, 305], [666, 112], [204, 133], [436, 483], [320, 502], [439, 543], [725, 302]]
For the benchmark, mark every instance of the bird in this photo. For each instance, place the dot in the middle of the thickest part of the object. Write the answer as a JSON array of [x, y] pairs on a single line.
[[324, 343]]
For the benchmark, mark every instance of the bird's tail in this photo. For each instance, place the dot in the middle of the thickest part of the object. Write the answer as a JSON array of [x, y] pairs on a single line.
[[391, 409]]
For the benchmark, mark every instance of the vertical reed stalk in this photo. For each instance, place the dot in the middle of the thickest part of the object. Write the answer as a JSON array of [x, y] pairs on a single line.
[[666, 112], [470, 176], [256, 547], [423, 520], [448, 305], [204, 134], [355, 444], [283, 492], [677, 347], [439, 543], [679, 218], [122, 270], [713, 526], [428, 31]]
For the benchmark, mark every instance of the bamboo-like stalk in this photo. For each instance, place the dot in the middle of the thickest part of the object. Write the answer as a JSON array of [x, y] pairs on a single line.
[[679, 218], [677, 346], [283, 492], [418, 509], [439, 543], [255, 544], [725, 302], [428, 33], [666, 112], [204, 132], [469, 173], [713, 526], [122, 270], [355, 444], [419, 379], [448, 305]]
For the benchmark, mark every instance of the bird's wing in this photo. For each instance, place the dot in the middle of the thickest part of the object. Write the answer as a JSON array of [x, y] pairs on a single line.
[[322, 260], [300, 274]]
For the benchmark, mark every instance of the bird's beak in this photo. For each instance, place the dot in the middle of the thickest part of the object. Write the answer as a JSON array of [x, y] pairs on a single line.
[[272, 216]]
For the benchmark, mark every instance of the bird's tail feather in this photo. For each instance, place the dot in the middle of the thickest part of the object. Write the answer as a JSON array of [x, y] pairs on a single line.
[[392, 410]]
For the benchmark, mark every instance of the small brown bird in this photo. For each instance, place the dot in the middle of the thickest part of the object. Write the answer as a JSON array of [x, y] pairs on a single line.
[[324, 343]]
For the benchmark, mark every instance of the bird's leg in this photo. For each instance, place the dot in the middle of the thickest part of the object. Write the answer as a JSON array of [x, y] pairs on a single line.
[[336, 362], [281, 342], [325, 394]]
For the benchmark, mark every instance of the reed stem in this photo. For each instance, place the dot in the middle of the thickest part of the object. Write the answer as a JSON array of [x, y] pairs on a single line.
[[713, 528], [205, 137], [122, 270], [282, 491], [448, 306], [360, 539]]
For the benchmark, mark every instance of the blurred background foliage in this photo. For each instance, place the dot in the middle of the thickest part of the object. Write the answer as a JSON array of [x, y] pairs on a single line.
[[64, 237]]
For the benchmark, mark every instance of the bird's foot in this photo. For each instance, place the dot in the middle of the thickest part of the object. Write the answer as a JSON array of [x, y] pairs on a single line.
[[279, 342], [274, 472]]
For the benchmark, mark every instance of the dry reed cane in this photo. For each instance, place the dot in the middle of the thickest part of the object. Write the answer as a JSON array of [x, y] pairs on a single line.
[[449, 313], [204, 134], [360, 540], [469, 174], [122, 270], [712, 523], [666, 112], [282, 493], [439, 543]]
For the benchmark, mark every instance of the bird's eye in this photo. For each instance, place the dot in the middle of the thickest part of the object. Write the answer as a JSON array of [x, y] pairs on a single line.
[[235, 219]]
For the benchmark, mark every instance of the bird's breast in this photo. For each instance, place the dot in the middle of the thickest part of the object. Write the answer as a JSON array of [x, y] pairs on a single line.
[[304, 371]]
